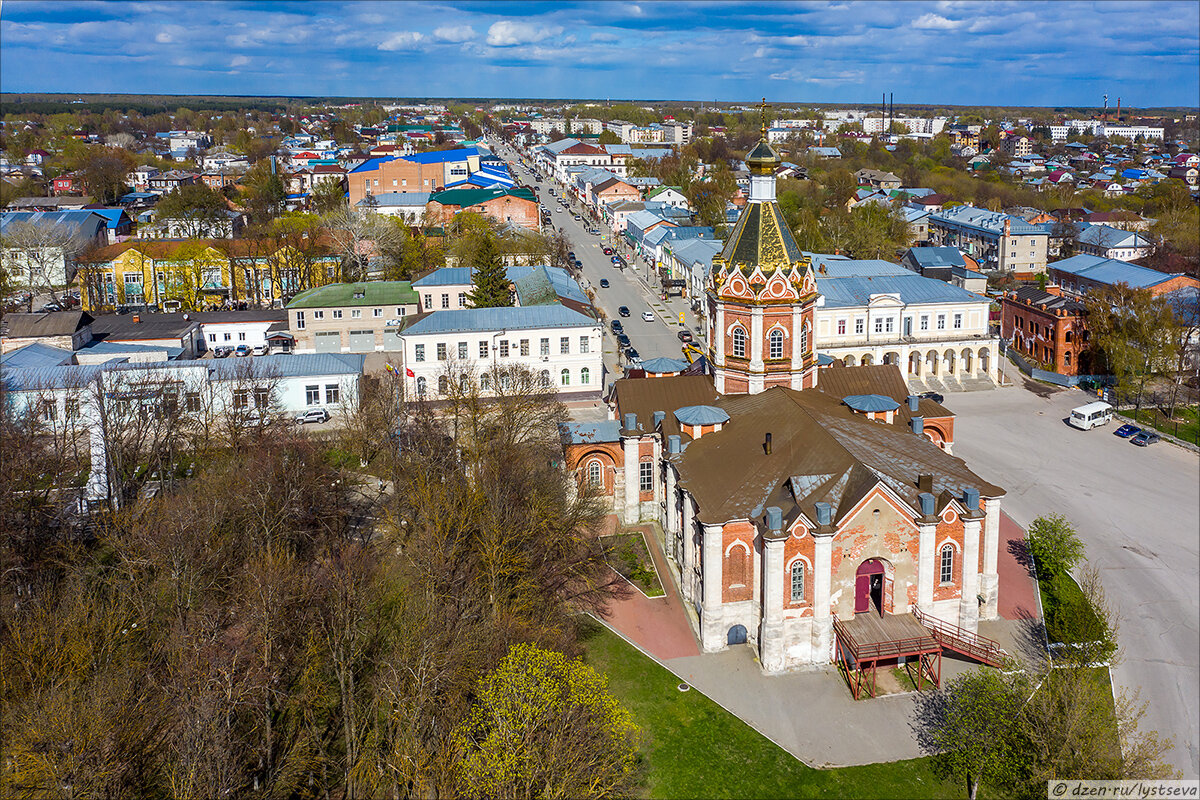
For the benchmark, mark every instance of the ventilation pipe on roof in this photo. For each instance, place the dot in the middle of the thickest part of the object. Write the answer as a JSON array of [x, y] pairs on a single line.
[[928, 504], [674, 445], [925, 483], [659, 416], [774, 518], [767, 444], [914, 402], [918, 425], [824, 514], [971, 499], [631, 421]]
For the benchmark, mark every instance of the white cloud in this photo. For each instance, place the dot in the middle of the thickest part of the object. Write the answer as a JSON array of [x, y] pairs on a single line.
[[164, 38], [604, 37], [506, 33], [935, 22], [455, 33], [405, 40], [239, 61]]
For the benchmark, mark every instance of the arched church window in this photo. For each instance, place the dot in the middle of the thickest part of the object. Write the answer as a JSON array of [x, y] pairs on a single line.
[[594, 473], [798, 582], [947, 563], [739, 342], [776, 344]]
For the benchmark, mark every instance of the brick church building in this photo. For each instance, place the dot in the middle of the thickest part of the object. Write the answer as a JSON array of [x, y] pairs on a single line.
[[804, 510]]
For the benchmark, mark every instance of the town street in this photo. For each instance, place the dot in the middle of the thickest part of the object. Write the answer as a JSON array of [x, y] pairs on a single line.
[[1138, 512]]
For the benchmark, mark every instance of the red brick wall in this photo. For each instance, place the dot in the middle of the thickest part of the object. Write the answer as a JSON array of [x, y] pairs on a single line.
[[948, 531], [645, 454], [738, 565], [891, 536], [1050, 346], [610, 456], [800, 543]]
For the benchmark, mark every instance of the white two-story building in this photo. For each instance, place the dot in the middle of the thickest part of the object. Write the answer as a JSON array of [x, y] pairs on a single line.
[[876, 312], [563, 346]]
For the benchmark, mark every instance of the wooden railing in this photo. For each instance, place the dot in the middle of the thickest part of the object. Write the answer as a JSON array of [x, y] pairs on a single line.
[[878, 650]]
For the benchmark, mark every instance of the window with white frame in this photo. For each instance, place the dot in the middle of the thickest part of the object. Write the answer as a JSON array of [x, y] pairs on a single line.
[[860, 325], [804, 339], [585, 375], [504, 348], [947, 564], [378, 312], [889, 324], [356, 313], [442, 351], [739, 342], [924, 322], [419, 352], [775, 344], [544, 347], [337, 313], [564, 346], [584, 345], [841, 327], [595, 473], [879, 324], [462, 299], [300, 320], [445, 301], [485, 381], [798, 581], [941, 322], [318, 315], [483, 349], [312, 395], [564, 377], [957, 321], [212, 337], [462, 351]]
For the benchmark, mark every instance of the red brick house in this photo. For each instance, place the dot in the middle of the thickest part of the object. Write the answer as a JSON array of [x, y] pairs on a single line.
[[67, 184], [1047, 328], [518, 206]]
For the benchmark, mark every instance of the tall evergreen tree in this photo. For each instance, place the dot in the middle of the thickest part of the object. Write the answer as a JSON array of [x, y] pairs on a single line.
[[490, 281]]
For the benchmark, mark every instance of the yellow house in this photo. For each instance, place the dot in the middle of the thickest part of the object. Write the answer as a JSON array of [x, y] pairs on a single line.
[[193, 275]]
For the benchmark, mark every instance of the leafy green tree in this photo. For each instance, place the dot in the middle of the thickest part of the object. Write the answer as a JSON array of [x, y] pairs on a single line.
[[608, 137], [489, 283], [546, 726], [877, 231], [971, 727], [198, 211], [1136, 332], [1054, 544], [104, 171], [328, 195]]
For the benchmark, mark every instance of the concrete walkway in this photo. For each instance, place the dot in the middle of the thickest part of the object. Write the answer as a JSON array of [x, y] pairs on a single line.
[[811, 714]]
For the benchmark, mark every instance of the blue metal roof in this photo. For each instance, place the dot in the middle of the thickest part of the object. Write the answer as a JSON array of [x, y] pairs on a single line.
[[1106, 237], [701, 415], [838, 267], [936, 256], [983, 220], [35, 355], [295, 365], [855, 291], [660, 365], [1110, 271], [500, 319], [591, 432], [870, 402], [444, 276], [442, 156]]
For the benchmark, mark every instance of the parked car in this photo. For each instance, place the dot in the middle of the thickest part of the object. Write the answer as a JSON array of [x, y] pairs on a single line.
[[570, 255], [50, 307], [934, 396], [631, 354], [623, 340], [222, 351], [1127, 431], [608, 251], [578, 217], [647, 316], [623, 311], [1145, 439], [617, 327], [685, 337], [604, 283], [1089, 416], [616, 259], [312, 415], [242, 350], [261, 349], [559, 209]]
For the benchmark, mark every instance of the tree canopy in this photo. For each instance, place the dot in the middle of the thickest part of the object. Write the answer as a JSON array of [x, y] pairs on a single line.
[[489, 280]]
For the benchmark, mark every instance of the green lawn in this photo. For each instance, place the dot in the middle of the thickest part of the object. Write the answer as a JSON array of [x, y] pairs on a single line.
[[628, 555], [694, 748]]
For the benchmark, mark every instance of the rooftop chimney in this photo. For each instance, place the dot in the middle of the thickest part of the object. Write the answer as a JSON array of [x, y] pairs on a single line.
[[918, 425], [774, 518], [137, 318], [767, 444], [925, 483], [824, 514], [659, 416], [914, 402], [631, 421], [674, 445], [971, 499], [928, 504]]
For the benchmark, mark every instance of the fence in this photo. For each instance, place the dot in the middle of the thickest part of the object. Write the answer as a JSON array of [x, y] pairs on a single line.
[[1056, 378], [1185, 431]]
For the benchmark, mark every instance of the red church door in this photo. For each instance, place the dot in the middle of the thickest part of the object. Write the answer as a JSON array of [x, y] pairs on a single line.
[[869, 586]]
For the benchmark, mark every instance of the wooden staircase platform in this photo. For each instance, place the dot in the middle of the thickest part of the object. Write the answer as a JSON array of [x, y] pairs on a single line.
[[962, 641]]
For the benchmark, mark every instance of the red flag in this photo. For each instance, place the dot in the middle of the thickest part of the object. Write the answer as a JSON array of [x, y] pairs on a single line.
[[409, 373]]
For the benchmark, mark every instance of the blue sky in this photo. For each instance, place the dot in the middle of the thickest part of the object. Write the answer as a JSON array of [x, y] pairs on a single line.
[[1002, 53]]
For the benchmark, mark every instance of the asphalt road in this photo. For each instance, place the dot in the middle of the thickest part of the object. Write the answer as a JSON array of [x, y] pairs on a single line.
[[1138, 513], [627, 287]]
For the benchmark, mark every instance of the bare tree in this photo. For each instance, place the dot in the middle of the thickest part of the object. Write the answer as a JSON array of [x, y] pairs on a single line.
[[41, 257]]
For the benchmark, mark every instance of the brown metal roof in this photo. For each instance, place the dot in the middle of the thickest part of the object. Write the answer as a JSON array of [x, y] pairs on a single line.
[[19, 325], [821, 452], [644, 396], [885, 379]]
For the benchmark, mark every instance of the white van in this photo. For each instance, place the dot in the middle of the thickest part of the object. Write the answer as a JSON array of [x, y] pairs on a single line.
[[1091, 415]]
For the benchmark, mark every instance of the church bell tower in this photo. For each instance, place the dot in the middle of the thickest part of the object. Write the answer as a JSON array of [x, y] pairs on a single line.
[[762, 294]]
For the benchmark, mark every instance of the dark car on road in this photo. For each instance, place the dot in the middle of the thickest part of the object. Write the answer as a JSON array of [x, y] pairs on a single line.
[[623, 311], [685, 337], [608, 251], [1145, 439], [604, 283], [934, 396], [623, 340], [617, 327], [570, 255], [1126, 431], [631, 354]]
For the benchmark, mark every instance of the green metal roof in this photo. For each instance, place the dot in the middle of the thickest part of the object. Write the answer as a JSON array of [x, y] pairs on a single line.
[[471, 197], [373, 293]]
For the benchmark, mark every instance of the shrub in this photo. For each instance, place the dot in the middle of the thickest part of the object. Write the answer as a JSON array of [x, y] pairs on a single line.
[[1054, 544]]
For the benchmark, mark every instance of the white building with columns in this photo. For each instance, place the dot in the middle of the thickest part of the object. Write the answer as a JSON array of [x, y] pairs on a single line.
[[786, 510], [876, 312]]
